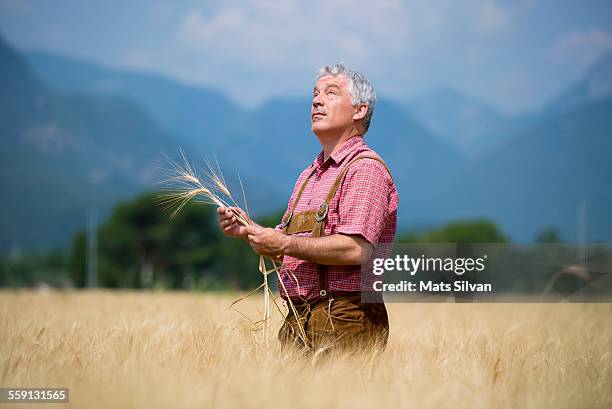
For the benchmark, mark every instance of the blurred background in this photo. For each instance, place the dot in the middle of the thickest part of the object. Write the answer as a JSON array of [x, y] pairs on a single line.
[[495, 118]]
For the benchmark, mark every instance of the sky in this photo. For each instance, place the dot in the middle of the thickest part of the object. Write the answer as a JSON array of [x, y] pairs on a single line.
[[514, 55]]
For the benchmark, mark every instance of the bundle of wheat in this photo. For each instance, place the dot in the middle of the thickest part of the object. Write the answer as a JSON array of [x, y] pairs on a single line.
[[183, 184]]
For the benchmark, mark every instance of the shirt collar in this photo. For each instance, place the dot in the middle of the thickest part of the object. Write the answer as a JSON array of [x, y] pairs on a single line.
[[342, 152]]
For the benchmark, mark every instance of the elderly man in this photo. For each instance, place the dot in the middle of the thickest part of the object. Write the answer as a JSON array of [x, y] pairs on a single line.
[[343, 212]]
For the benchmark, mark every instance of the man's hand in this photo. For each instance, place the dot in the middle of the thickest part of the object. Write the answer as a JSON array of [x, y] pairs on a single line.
[[336, 249], [266, 241], [229, 223]]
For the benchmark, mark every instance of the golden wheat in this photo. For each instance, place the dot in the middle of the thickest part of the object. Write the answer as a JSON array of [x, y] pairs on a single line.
[[183, 184], [182, 350]]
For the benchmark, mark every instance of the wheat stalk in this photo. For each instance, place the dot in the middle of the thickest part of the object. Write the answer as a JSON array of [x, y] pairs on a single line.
[[184, 184]]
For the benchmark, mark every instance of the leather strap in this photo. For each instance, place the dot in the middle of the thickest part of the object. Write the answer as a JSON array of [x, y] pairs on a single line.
[[287, 220], [301, 221], [319, 228]]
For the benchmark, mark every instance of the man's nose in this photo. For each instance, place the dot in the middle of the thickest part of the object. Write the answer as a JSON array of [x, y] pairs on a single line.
[[316, 101]]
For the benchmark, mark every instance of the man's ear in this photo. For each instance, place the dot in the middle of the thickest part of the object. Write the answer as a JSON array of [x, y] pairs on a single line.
[[360, 112]]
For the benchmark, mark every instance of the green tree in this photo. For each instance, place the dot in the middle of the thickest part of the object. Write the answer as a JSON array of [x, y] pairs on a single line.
[[467, 231], [549, 235], [140, 245], [34, 268], [242, 263]]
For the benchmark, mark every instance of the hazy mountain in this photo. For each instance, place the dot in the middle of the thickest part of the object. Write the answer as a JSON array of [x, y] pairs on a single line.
[[62, 154], [281, 145], [540, 178], [532, 171], [261, 142], [460, 120], [197, 115], [526, 173], [417, 157], [273, 141], [595, 85], [475, 128], [470, 125]]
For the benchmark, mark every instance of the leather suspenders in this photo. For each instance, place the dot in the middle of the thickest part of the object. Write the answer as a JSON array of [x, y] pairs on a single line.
[[314, 221]]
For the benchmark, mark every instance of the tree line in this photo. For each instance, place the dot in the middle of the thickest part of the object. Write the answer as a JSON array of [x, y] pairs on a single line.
[[140, 246]]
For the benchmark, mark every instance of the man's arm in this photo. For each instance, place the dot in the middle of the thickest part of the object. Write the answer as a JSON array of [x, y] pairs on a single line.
[[336, 249], [365, 208]]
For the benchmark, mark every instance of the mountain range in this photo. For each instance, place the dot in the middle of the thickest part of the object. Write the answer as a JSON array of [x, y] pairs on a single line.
[[543, 168], [274, 137], [76, 134], [596, 85], [62, 154], [464, 122], [556, 173]]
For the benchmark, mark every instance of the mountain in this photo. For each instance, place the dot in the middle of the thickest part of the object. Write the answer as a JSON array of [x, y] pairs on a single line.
[[475, 128], [553, 174], [595, 85], [417, 157], [195, 115], [281, 144], [468, 124], [526, 173], [62, 154], [274, 140]]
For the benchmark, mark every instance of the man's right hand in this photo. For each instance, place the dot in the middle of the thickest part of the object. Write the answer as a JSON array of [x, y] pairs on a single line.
[[229, 223]]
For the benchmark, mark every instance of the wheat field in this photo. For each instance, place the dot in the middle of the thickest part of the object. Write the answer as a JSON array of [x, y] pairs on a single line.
[[189, 350]]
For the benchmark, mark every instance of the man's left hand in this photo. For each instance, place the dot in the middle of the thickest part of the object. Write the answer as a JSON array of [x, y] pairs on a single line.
[[266, 241]]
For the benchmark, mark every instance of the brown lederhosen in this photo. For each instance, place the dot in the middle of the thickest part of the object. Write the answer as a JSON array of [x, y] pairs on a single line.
[[333, 319]]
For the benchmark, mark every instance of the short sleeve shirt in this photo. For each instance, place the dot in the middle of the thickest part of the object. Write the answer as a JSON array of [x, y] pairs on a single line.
[[365, 204]]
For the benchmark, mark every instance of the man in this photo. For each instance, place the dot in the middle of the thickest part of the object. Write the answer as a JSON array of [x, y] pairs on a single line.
[[342, 213]]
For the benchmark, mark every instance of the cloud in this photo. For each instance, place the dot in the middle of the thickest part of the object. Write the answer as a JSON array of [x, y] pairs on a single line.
[[281, 44], [320, 29], [393, 40], [268, 33], [493, 17], [581, 48], [257, 49]]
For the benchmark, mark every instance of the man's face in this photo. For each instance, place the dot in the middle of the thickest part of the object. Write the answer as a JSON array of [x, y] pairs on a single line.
[[332, 110]]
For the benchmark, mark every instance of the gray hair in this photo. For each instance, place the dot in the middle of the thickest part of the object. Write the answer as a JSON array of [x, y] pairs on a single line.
[[361, 89]]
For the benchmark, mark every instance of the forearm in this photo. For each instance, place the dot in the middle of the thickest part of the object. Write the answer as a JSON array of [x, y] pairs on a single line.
[[336, 249]]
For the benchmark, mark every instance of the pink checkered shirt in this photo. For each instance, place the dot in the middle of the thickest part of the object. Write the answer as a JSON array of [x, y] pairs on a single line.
[[365, 204]]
